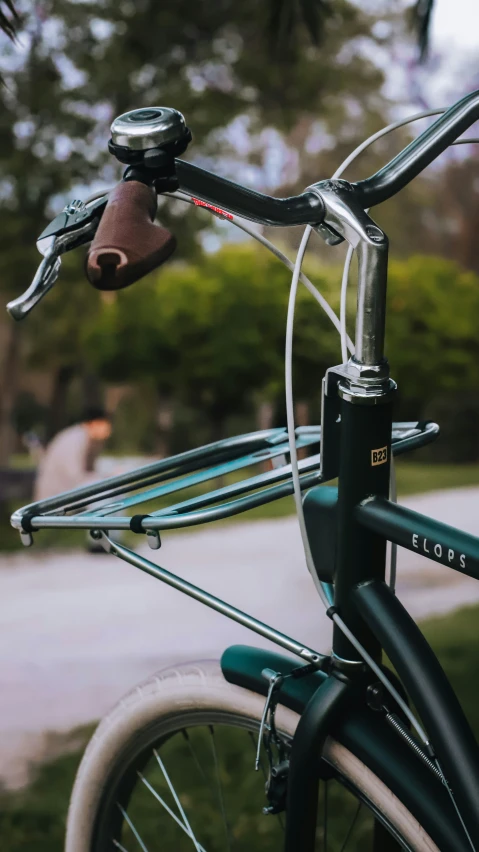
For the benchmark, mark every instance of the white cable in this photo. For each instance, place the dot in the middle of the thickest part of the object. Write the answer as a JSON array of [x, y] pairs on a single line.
[[292, 436], [384, 130], [298, 498], [289, 343], [393, 496], [304, 280], [290, 413], [342, 305], [339, 171], [378, 671]]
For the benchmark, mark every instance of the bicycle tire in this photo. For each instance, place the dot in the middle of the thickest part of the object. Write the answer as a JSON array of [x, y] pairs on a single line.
[[197, 693]]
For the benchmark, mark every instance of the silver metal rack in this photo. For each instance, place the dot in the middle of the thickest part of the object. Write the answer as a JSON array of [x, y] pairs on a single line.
[[96, 507], [112, 504]]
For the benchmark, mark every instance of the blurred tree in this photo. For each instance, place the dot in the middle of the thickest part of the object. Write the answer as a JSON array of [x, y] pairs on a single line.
[[453, 219], [431, 339], [241, 73], [55, 342], [8, 18], [212, 335], [76, 65], [212, 61], [421, 21]]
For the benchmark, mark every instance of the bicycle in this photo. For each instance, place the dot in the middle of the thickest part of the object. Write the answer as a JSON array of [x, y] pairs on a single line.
[[338, 722]]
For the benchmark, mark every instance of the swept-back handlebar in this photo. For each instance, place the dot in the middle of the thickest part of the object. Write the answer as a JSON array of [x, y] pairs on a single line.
[[308, 208], [303, 209], [420, 153]]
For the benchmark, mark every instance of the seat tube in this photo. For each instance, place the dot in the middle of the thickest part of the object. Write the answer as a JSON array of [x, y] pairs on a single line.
[[365, 393]]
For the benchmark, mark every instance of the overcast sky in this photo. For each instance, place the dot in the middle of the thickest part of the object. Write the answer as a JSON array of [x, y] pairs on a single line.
[[455, 23]]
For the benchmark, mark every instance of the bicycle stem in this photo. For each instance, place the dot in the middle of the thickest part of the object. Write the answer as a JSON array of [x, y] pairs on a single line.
[[344, 216]]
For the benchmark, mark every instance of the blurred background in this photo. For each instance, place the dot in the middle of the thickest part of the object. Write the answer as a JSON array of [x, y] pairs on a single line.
[[195, 352], [276, 93]]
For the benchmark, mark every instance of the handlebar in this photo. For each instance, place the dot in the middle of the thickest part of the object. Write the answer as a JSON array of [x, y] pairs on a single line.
[[419, 154], [304, 209], [128, 244]]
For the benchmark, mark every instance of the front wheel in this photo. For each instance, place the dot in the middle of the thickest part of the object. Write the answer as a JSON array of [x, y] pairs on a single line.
[[171, 768]]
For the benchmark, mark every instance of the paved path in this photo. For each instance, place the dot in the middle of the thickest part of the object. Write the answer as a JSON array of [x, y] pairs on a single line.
[[77, 630]]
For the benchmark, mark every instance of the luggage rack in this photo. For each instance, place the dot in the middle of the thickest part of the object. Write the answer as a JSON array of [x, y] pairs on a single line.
[[111, 503]]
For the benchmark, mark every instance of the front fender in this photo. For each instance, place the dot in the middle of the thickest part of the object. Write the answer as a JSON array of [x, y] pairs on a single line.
[[367, 735]]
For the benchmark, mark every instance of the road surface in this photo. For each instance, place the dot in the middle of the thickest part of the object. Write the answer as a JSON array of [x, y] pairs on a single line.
[[78, 630]]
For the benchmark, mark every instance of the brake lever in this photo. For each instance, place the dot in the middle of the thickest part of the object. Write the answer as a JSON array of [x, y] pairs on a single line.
[[45, 277], [73, 227]]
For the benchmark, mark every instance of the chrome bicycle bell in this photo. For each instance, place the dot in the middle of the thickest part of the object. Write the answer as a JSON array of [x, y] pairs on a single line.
[[149, 136]]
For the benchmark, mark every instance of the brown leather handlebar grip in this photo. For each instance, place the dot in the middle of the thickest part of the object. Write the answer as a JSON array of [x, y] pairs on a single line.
[[128, 244]]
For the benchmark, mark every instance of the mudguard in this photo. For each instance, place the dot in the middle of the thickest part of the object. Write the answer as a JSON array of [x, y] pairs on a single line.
[[365, 734]]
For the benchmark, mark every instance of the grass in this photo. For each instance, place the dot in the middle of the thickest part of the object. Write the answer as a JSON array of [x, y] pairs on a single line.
[[35, 817], [416, 478]]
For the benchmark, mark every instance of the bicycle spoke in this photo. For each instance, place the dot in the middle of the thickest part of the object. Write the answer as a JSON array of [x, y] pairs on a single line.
[[220, 788], [351, 827], [178, 803], [215, 784], [167, 808], [128, 820], [196, 759], [119, 846]]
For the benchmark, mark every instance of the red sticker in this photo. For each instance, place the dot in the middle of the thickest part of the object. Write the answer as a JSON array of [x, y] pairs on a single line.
[[217, 210]]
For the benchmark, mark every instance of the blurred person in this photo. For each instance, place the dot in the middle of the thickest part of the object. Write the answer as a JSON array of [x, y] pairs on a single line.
[[69, 459]]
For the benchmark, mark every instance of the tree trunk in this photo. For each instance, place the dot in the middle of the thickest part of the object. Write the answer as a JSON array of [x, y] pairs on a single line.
[[92, 390], [57, 417], [265, 414], [301, 416], [165, 418], [8, 389], [264, 420]]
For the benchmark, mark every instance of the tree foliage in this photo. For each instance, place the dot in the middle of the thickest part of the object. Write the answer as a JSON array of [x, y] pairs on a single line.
[[212, 333], [292, 70], [75, 66], [432, 342]]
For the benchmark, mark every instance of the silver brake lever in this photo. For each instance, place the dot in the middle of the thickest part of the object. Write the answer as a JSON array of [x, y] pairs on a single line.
[[52, 245], [45, 277]]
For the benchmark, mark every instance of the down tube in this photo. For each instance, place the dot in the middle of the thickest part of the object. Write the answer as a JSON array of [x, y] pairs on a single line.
[[365, 449], [432, 694]]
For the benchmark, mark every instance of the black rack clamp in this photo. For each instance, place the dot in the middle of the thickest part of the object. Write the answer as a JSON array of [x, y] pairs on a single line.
[[152, 536]]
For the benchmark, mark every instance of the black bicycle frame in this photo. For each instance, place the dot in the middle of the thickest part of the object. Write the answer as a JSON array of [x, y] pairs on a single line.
[[357, 423]]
